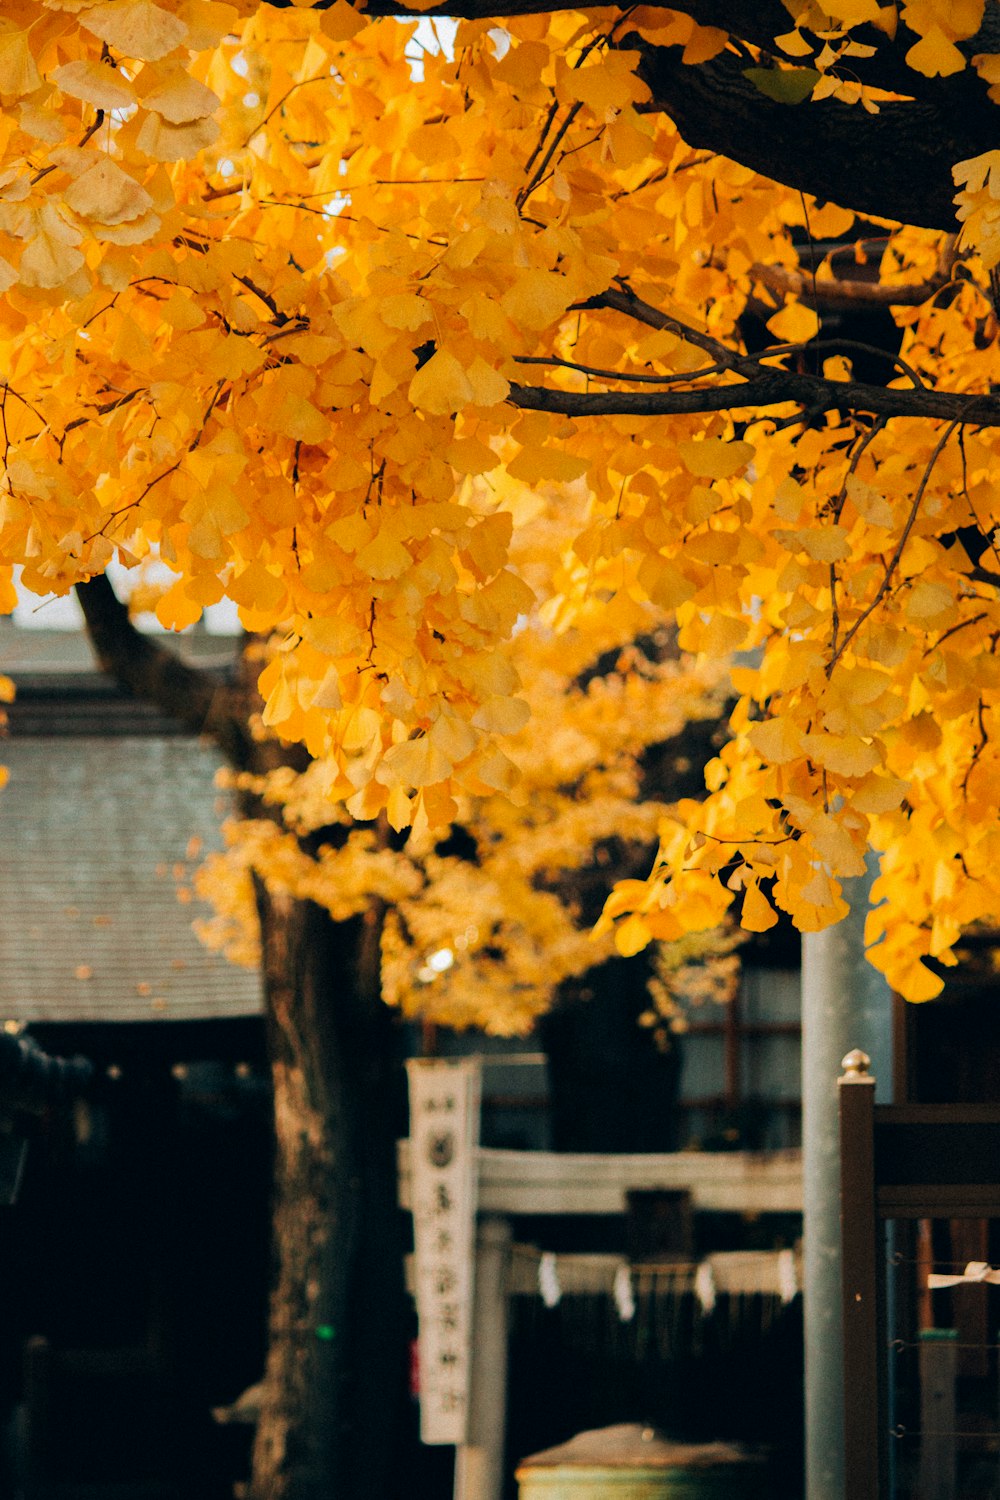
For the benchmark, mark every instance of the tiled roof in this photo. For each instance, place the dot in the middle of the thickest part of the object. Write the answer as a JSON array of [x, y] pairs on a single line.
[[95, 833], [61, 691]]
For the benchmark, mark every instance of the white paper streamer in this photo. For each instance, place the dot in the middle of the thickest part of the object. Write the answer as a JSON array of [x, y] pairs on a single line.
[[704, 1286], [976, 1271], [624, 1298], [788, 1281], [548, 1280]]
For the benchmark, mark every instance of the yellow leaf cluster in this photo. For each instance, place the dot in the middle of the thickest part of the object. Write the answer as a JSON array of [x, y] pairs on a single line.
[[268, 303]]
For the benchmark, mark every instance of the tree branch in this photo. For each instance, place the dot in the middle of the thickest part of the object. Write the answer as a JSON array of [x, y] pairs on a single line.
[[764, 385], [835, 295], [811, 392], [896, 164], [194, 696]]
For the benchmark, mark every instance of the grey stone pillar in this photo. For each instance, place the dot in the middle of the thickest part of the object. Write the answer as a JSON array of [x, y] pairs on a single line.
[[479, 1463], [845, 1003]]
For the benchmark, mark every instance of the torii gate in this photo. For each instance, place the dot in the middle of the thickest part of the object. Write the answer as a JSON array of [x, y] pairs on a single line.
[[489, 1187]]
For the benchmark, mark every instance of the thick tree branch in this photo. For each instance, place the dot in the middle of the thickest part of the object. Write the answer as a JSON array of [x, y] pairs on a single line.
[[834, 295], [896, 164], [194, 696], [811, 392]]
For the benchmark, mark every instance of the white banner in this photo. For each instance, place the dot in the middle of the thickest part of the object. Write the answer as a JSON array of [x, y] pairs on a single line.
[[444, 1135]]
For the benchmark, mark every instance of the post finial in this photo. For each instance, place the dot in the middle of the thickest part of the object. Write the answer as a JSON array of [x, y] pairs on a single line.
[[855, 1066]]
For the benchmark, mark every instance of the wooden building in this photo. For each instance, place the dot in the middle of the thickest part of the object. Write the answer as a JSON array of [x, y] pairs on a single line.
[[134, 1267]]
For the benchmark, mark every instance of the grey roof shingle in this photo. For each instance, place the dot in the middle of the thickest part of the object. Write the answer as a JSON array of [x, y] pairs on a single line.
[[91, 832]]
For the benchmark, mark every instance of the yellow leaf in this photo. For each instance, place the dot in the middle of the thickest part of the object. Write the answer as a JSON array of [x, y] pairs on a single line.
[[717, 636], [298, 419], [341, 22], [496, 771], [162, 141], [51, 256], [844, 754], [610, 83], [929, 601], [485, 549], [502, 715], [453, 737], [95, 83], [384, 557], [935, 56], [537, 299], [399, 809], [175, 610], [626, 895], [523, 65], [776, 740], [328, 694], [704, 43], [178, 97], [663, 582], [489, 387], [405, 310], [910, 977], [715, 458], [441, 386], [879, 794], [757, 914], [470, 456], [532, 465], [257, 588], [632, 935], [330, 634], [794, 44], [417, 763], [824, 543], [281, 702], [18, 74], [132, 233], [433, 144], [107, 193], [138, 28], [208, 21], [851, 12], [869, 504], [794, 324]]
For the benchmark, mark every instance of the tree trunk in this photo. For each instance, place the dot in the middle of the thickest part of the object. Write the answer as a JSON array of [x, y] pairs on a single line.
[[335, 1381], [335, 1374]]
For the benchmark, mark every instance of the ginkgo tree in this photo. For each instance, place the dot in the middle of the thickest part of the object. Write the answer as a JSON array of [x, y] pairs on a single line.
[[485, 923], [303, 320]]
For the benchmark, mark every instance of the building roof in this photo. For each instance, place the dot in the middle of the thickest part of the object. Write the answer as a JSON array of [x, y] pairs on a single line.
[[107, 813], [62, 691]]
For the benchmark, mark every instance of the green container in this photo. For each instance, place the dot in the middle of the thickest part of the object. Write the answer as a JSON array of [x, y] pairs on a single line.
[[630, 1462]]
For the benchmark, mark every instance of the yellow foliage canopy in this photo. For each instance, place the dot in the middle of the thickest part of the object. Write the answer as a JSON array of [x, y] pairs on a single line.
[[268, 303]]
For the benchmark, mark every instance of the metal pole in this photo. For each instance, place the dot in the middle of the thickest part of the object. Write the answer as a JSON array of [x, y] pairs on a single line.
[[845, 1004]]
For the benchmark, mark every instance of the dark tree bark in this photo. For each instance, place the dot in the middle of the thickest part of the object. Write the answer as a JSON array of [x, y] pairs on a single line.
[[335, 1355], [336, 1369]]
